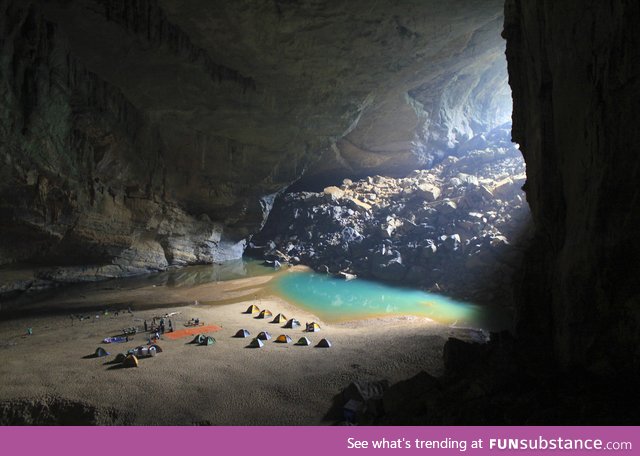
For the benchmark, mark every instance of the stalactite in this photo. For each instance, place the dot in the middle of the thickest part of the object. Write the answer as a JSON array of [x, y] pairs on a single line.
[[146, 19]]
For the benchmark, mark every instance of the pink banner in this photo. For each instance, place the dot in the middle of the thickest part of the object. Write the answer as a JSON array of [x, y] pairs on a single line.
[[326, 441]]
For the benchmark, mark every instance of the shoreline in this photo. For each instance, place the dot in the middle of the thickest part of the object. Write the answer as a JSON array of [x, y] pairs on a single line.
[[222, 384]]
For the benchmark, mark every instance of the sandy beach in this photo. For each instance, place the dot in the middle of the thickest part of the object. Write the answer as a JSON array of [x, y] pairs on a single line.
[[223, 384]]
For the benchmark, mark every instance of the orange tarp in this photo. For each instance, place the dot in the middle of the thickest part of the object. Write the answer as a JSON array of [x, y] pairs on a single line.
[[191, 331]]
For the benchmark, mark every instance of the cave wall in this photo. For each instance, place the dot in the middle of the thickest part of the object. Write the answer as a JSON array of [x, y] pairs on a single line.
[[574, 71], [142, 134], [84, 178]]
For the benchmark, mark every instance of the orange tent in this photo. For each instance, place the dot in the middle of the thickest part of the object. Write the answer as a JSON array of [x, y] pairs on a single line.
[[283, 339]]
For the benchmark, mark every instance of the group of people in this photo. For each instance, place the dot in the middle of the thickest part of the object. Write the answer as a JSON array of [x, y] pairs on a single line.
[[158, 327]]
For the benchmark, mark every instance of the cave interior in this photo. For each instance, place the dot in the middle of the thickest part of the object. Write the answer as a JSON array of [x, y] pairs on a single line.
[[140, 136]]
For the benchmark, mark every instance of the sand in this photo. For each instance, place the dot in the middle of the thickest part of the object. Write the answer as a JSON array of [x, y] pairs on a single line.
[[223, 384]]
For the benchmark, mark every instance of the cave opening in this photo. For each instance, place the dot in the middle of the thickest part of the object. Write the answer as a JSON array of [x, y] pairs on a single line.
[[424, 191]]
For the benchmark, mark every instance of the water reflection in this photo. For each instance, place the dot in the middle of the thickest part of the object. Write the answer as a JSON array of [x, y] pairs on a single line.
[[220, 272], [76, 295], [331, 299]]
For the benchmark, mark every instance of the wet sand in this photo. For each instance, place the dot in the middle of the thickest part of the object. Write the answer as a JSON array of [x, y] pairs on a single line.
[[223, 384]]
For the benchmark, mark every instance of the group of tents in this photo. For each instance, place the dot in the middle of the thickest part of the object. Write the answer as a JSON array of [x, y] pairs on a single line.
[[202, 339], [280, 318], [258, 341], [132, 356]]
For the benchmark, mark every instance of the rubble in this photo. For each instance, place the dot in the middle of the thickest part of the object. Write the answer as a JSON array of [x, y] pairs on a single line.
[[449, 228]]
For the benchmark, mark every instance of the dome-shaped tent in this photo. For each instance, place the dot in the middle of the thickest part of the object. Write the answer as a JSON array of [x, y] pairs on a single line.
[[252, 309], [265, 314], [100, 352], [324, 343], [283, 339], [130, 361], [303, 341], [256, 343], [313, 327], [280, 318], [120, 357], [264, 335], [293, 323], [208, 340]]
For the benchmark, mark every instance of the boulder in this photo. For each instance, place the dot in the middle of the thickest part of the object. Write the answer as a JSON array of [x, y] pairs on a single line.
[[429, 250], [485, 192], [468, 179], [388, 268], [447, 207], [428, 191], [334, 192], [346, 275]]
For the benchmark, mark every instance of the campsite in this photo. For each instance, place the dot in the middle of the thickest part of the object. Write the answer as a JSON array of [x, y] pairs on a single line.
[[219, 380]]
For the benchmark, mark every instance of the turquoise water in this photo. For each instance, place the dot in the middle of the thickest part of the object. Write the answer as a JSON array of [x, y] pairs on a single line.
[[331, 299], [335, 300]]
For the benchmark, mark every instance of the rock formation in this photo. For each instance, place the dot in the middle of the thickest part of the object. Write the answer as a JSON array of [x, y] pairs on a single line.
[[146, 134], [573, 69], [455, 228]]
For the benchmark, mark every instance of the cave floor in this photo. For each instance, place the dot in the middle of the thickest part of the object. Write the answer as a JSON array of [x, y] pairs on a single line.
[[224, 384]]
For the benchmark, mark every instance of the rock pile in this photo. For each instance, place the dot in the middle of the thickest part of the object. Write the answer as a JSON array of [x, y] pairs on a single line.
[[450, 228]]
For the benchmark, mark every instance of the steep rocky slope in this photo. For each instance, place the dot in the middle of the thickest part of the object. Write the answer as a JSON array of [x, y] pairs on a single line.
[[142, 134], [455, 228]]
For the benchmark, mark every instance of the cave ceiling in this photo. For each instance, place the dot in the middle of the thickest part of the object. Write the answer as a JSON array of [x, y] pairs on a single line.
[[387, 81], [149, 133]]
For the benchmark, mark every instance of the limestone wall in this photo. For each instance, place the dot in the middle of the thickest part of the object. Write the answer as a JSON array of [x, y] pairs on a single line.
[[573, 69]]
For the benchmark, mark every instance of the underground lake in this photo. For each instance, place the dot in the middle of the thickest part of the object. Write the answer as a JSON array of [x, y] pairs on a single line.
[[330, 298]]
